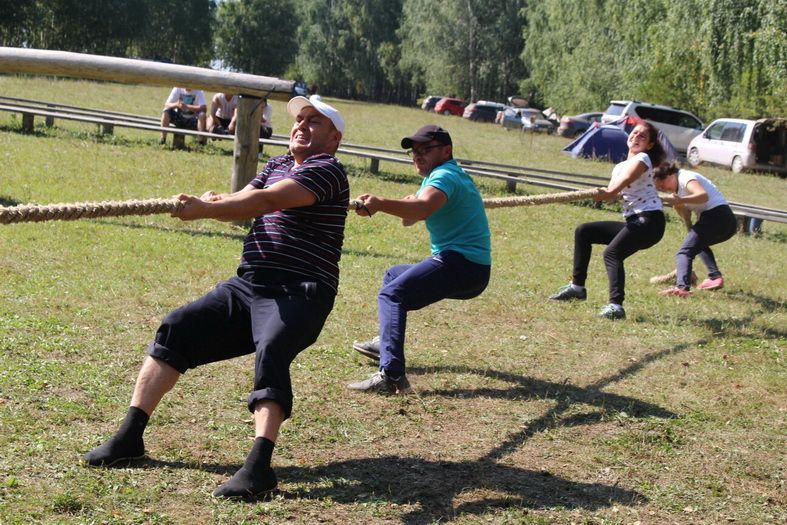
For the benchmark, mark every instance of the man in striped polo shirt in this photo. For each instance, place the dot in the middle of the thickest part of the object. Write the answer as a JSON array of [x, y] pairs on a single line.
[[275, 307]]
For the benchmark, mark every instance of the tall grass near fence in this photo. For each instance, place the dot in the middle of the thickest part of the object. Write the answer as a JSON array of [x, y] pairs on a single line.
[[526, 412]]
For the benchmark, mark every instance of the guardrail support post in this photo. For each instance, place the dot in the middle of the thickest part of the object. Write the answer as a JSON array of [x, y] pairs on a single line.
[[743, 224], [178, 141], [28, 122], [107, 129], [511, 186], [374, 165], [50, 120]]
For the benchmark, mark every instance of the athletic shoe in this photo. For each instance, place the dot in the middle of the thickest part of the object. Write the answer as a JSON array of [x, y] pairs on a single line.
[[244, 485], [370, 349], [381, 383], [678, 292], [712, 284], [567, 293], [611, 312], [114, 451]]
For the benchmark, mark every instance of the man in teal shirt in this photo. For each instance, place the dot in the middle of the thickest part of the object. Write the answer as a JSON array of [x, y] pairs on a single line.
[[458, 268]]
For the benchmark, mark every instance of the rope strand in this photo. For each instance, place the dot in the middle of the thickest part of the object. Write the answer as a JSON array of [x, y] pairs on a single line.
[[91, 210], [86, 210]]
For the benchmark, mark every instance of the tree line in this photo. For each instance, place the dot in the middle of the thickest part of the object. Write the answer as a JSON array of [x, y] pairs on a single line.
[[712, 57]]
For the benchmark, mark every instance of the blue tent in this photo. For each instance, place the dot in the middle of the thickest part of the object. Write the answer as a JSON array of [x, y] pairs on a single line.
[[608, 141]]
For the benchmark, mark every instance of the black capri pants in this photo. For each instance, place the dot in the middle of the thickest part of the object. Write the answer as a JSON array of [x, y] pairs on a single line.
[[275, 315], [623, 239]]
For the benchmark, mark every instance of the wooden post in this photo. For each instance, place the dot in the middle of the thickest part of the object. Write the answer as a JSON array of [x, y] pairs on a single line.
[[28, 122], [247, 140], [178, 141], [374, 165], [511, 186], [107, 129], [49, 121]]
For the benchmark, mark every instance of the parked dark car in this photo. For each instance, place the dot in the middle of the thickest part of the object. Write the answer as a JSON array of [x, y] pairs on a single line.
[[450, 106], [429, 102], [482, 111], [576, 125]]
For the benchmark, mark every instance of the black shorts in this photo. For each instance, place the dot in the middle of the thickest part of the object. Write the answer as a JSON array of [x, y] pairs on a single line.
[[273, 314], [182, 121]]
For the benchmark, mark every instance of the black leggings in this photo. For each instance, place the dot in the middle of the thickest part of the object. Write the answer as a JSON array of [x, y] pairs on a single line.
[[623, 239]]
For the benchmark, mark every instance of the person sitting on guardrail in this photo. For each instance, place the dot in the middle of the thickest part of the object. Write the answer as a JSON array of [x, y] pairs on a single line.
[[275, 306], [691, 192], [459, 267], [185, 108], [643, 227], [221, 119]]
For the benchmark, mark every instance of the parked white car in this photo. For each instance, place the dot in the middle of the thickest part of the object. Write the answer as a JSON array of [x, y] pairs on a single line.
[[679, 126], [742, 145]]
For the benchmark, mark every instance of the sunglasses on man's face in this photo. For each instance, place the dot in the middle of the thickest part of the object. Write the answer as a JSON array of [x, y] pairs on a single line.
[[422, 151]]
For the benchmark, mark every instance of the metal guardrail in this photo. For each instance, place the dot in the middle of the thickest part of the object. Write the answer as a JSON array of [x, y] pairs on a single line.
[[509, 173]]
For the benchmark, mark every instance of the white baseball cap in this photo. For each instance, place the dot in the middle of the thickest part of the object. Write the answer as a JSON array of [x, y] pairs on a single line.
[[296, 104]]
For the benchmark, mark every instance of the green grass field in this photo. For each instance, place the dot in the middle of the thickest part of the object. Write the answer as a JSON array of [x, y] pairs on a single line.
[[526, 411]]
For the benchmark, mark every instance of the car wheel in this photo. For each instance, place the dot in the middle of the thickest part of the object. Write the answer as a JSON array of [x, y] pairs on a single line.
[[446, 112], [737, 164], [693, 157]]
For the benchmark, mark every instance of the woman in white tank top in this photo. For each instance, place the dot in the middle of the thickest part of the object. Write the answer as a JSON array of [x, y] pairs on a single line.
[[691, 192]]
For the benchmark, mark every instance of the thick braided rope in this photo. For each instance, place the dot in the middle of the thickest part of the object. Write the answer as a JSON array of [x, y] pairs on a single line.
[[91, 210], [545, 198], [86, 210], [529, 200]]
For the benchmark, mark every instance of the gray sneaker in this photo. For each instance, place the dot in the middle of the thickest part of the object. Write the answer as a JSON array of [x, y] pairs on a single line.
[[567, 293], [370, 349], [381, 383], [610, 312]]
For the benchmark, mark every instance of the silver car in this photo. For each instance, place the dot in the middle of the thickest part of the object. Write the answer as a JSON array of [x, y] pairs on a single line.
[[679, 126]]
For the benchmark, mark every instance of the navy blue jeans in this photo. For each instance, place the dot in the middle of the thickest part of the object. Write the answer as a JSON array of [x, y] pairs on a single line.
[[714, 226], [407, 287]]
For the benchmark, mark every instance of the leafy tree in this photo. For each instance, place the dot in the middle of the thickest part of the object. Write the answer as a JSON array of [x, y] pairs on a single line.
[[257, 36], [16, 22], [350, 47], [466, 48], [714, 57], [179, 31]]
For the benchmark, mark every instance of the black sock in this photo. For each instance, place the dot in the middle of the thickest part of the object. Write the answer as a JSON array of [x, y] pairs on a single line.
[[259, 457], [134, 425], [126, 444]]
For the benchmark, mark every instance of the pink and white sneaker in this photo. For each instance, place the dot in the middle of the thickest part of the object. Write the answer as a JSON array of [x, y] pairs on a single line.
[[712, 284], [678, 292]]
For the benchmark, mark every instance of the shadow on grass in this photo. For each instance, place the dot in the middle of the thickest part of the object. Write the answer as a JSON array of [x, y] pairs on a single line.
[[565, 396], [444, 490], [8, 201], [743, 326], [434, 486]]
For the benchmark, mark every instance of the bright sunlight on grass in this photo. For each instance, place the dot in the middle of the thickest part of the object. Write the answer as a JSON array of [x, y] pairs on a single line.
[[526, 411]]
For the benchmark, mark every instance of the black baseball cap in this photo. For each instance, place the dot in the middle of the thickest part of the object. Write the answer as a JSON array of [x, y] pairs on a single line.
[[427, 133]]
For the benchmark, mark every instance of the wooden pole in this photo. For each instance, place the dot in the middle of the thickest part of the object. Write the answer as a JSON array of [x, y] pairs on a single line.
[[28, 122], [247, 139], [130, 71]]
